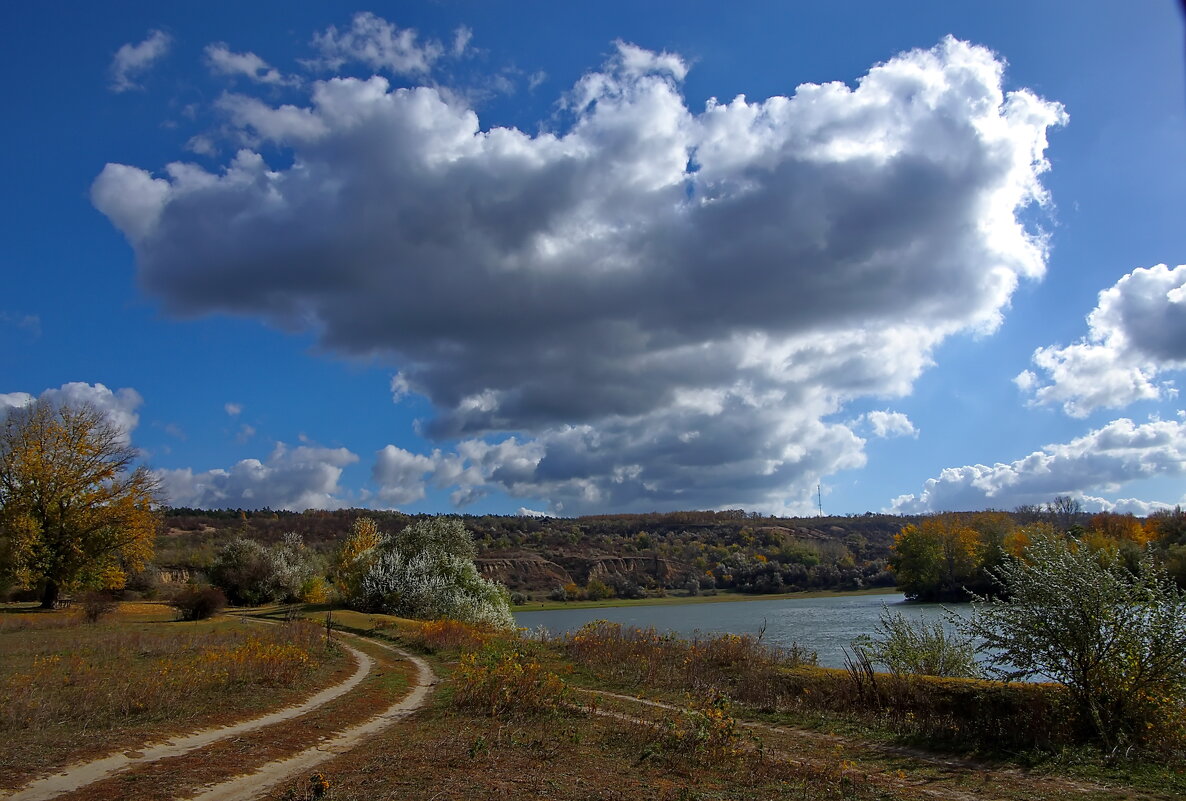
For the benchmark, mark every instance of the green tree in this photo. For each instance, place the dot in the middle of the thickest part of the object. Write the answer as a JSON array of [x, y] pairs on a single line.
[[1116, 639], [936, 559], [73, 511]]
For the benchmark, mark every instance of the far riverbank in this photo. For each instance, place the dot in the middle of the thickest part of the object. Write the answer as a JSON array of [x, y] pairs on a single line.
[[680, 600]]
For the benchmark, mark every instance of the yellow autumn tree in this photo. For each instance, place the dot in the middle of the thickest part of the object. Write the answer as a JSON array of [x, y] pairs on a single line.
[[355, 555], [74, 513], [937, 558], [1122, 528]]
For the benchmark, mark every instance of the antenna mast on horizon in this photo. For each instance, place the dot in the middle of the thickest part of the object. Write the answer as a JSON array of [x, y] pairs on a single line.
[[819, 495]]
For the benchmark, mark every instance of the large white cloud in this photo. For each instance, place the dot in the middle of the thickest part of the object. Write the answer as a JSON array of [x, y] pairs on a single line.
[[1137, 332], [119, 407], [1102, 460], [298, 478], [664, 305]]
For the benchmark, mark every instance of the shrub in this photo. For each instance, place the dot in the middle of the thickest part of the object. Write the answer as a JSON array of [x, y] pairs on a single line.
[[426, 571], [448, 635], [244, 570], [198, 602], [294, 570], [1116, 639], [914, 646], [97, 605], [508, 681], [252, 574], [968, 713], [146, 583], [706, 732]]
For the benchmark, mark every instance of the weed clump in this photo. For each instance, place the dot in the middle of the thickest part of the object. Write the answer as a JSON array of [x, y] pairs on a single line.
[[450, 635], [507, 681], [97, 605]]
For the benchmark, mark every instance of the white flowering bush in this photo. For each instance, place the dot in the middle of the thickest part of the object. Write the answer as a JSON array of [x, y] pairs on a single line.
[[427, 571]]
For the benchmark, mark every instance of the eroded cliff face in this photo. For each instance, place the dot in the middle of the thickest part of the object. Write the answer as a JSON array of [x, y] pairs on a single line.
[[523, 571], [526, 572], [178, 576]]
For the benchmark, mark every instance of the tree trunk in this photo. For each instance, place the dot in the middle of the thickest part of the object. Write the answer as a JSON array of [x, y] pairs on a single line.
[[49, 595]]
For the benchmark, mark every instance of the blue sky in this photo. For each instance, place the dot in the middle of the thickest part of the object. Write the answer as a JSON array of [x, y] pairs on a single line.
[[601, 257]]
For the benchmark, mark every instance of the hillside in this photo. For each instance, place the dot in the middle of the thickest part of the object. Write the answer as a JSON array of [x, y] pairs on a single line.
[[597, 556]]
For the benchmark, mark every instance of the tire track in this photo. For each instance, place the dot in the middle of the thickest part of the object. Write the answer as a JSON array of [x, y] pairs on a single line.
[[272, 773]]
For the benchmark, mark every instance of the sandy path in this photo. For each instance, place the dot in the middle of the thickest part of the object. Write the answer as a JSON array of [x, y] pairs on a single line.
[[269, 775], [81, 774]]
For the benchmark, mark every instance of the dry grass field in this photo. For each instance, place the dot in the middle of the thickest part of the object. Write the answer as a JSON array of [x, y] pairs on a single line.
[[74, 690]]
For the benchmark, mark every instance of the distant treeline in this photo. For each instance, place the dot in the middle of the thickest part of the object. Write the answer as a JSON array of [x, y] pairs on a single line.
[[944, 557], [935, 557], [704, 550]]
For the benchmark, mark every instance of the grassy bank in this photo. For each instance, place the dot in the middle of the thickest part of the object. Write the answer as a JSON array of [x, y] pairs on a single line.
[[678, 600], [726, 718], [608, 713]]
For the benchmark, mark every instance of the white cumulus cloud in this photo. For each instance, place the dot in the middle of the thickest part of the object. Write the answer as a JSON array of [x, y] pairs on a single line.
[[655, 306], [887, 424], [298, 478], [133, 60], [1136, 333], [400, 475], [119, 407], [1102, 460]]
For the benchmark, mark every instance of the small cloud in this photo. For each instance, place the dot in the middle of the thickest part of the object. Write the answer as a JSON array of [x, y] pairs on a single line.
[[223, 61], [379, 44], [29, 323], [400, 388], [536, 80], [525, 512], [175, 431], [461, 39], [246, 432], [886, 424], [133, 60], [233, 409], [202, 145]]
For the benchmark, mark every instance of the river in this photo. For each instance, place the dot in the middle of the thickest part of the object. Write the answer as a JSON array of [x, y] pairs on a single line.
[[825, 625]]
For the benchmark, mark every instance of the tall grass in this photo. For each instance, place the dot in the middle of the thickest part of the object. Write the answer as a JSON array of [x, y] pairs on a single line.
[[739, 665], [962, 712], [507, 680]]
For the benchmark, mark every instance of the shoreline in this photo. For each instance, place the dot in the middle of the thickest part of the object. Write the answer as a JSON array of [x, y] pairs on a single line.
[[731, 597]]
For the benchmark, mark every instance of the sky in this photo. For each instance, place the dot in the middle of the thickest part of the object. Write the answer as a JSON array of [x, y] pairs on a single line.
[[579, 258]]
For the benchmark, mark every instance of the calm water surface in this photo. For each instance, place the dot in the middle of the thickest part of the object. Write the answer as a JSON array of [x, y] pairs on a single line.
[[824, 625]]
